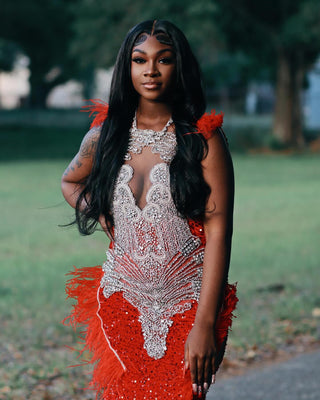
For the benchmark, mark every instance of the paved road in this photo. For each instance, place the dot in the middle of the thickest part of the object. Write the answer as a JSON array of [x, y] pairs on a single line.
[[296, 379]]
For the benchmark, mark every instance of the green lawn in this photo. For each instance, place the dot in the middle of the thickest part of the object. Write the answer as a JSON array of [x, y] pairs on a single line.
[[276, 241]]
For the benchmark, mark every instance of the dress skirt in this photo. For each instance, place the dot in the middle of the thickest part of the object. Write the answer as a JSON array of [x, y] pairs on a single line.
[[112, 333]]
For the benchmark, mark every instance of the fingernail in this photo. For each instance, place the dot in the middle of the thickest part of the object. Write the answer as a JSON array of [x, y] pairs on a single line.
[[213, 379], [194, 388], [205, 387]]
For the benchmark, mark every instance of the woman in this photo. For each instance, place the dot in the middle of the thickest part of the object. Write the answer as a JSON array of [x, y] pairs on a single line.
[[157, 175]]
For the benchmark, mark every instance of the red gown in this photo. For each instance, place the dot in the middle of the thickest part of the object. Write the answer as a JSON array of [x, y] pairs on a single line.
[[139, 307]]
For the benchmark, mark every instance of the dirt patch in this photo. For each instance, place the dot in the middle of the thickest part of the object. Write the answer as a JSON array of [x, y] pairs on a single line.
[[235, 364]]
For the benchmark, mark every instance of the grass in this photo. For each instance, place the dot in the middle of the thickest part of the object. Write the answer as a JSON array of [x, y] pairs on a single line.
[[35, 255], [276, 242]]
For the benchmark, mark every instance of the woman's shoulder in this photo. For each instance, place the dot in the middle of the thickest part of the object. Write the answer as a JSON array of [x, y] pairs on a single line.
[[97, 108], [208, 124]]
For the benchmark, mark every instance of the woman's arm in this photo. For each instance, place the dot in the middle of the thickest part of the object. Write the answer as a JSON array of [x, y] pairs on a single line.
[[80, 167], [200, 346]]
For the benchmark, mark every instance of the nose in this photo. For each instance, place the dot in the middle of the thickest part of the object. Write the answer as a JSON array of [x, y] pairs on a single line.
[[151, 69]]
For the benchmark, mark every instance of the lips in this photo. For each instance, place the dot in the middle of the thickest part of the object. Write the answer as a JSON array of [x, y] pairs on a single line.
[[151, 85]]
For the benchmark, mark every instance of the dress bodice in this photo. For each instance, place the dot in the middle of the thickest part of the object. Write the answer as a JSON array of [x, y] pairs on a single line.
[[155, 261]]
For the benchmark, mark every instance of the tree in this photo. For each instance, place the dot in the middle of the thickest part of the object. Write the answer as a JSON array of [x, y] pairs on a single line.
[[8, 54], [100, 26], [275, 38], [42, 30], [285, 35]]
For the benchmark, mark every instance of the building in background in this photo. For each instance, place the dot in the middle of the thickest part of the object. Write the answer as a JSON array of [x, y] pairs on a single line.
[[14, 85], [15, 88], [69, 94], [312, 98]]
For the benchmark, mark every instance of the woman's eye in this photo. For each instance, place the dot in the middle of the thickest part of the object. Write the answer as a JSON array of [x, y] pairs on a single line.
[[138, 60], [166, 60]]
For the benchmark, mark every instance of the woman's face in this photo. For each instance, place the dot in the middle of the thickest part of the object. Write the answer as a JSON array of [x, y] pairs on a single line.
[[153, 68]]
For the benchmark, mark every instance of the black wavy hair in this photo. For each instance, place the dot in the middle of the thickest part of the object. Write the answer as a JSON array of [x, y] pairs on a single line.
[[188, 187]]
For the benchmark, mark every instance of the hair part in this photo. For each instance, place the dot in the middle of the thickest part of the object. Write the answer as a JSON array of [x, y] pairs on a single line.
[[153, 26]]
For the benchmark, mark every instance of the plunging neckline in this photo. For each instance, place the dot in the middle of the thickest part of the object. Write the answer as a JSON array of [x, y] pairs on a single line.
[[127, 184]]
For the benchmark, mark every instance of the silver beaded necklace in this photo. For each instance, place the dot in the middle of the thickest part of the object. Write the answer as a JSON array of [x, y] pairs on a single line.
[[162, 142]]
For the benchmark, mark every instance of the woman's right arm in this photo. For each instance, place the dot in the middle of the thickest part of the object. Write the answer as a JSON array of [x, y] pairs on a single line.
[[80, 167]]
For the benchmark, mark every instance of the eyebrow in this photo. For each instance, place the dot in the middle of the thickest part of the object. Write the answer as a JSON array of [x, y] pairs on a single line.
[[159, 52]]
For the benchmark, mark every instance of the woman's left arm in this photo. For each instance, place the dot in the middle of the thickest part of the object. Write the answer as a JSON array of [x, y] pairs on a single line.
[[200, 347]]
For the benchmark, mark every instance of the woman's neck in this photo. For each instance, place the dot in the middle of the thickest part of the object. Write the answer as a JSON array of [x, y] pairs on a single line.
[[153, 115]]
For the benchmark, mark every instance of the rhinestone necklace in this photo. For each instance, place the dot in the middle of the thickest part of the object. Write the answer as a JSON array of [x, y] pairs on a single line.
[[162, 142]]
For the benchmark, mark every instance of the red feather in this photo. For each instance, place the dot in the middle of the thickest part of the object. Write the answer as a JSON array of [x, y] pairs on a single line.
[[100, 108], [83, 287], [208, 123]]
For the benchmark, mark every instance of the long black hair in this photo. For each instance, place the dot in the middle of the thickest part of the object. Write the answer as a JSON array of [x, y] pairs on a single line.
[[188, 187]]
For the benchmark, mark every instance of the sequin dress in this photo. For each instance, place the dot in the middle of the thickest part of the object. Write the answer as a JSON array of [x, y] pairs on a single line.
[[140, 305]]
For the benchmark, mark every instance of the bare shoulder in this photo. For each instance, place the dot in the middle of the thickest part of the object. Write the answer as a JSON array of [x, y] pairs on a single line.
[[218, 151]]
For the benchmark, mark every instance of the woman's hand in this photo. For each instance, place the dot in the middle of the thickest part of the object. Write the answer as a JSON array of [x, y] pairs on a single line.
[[200, 350]]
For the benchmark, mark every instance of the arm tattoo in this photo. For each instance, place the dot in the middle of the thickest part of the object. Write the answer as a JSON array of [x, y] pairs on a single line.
[[89, 144], [71, 167], [78, 162], [87, 150]]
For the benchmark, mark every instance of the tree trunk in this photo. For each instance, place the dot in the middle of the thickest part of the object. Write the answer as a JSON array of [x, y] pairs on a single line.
[[288, 126], [40, 87], [39, 90]]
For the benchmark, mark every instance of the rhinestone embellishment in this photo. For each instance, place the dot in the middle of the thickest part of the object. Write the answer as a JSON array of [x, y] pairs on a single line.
[[162, 142], [156, 262]]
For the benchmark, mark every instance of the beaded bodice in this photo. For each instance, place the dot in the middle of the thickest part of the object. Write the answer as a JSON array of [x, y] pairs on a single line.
[[155, 262]]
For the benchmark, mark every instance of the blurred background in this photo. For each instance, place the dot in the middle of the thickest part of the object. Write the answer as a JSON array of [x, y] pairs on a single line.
[[261, 67]]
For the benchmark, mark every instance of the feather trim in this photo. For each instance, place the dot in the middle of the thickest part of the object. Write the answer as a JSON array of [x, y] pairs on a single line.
[[98, 107], [109, 371], [84, 287], [225, 316], [208, 123]]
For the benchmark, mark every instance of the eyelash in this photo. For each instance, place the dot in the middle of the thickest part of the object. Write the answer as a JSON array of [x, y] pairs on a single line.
[[165, 60], [138, 60]]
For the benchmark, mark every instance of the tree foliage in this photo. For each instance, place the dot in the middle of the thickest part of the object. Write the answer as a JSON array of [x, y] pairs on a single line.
[[234, 40], [8, 54], [101, 25], [262, 28], [283, 35]]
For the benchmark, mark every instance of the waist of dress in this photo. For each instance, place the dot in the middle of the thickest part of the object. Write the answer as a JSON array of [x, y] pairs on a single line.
[[182, 274]]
